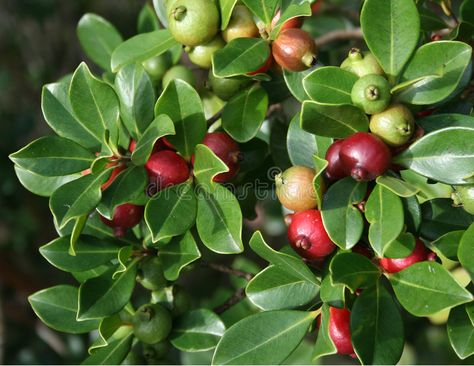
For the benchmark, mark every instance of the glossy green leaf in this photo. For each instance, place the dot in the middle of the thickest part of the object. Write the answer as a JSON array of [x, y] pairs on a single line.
[[391, 30], [57, 307], [353, 270], [445, 155], [243, 115], [384, 212], [441, 65], [114, 353], [294, 82], [226, 7], [330, 85], [301, 145], [161, 126], [98, 38], [123, 256], [183, 105], [461, 332], [425, 288], [141, 47], [264, 338], [79, 225], [147, 20], [377, 327], [413, 214], [196, 331], [171, 212], [429, 20], [263, 9], [206, 166], [466, 251], [137, 98], [397, 186], [103, 296], [426, 190], [342, 220], [401, 247], [324, 344], [444, 120], [107, 327], [177, 254], [337, 121], [240, 56], [219, 221], [275, 289], [293, 10], [448, 244], [332, 294]]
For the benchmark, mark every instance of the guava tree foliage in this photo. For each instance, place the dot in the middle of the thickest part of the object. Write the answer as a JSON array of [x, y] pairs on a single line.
[[149, 168]]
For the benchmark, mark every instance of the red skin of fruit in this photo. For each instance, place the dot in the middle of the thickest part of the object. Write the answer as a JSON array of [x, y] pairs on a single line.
[[291, 47], [112, 177], [125, 217], [335, 171], [295, 22], [419, 254], [364, 156], [264, 68], [161, 144], [308, 237], [166, 168], [340, 330], [227, 150]]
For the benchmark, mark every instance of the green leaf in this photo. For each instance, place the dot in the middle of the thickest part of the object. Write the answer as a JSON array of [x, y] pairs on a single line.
[[147, 20], [275, 289], [384, 212], [461, 332], [430, 21], [294, 82], [324, 344], [425, 288], [331, 293], [94, 103], [337, 121], [343, 221], [107, 327], [240, 56], [103, 296], [79, 225], [293, 10], [183, 105], [401, 247], [98, 38], [226, 7], [177, 254], [377, 327], [142, 47], [206, 166], [264, 338], [301, 145], [123, 256], [77, 198], [263, 9], [171, 212], [353, 270], [53, 156], [466, 251], [397, 186], [391, 30], [161, 126], [448, 244], [292, 264], [114, 353], [57, 307], [196, 331], [412, 214], [444, 120], [57, 112], [443, 64], [219, 221], [90, 253], [330, 85], [445, 155], [137, 98], [41, 185], [243, 115], [426, 190]]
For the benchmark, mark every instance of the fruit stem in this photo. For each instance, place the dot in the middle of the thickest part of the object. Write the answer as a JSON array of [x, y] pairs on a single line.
[[179, 13], [309, 59]]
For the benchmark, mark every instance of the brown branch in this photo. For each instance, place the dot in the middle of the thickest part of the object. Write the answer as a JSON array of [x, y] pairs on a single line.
[[215, 117], [339, 35], [224, 269], [234, 299]]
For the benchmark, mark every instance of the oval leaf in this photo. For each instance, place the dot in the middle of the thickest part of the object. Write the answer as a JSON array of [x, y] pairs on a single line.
[[353, 270]]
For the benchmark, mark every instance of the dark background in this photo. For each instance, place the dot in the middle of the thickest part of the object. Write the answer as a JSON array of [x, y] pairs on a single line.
[[38, 44]]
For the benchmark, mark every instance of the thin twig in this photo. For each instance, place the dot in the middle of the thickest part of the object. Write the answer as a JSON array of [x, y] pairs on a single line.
[[224, 269], [215, 118], [234, 299], [339, 35]]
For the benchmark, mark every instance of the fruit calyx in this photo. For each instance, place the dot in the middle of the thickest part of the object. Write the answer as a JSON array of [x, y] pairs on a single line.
[[179, 13]]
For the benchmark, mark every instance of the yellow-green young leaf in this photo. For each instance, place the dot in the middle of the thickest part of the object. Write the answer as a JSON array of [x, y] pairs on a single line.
[[141, 47], [324, 344], [98, 38], [197, 331], [330, 85], [206, 166], [391, 30], [353, 270], [425, 288], [466, 250], [336, 121], [119, 345], [264, 338], [226, 7], [397, 186], [263, 9], [461, 331], [57, 308], [176, 255]]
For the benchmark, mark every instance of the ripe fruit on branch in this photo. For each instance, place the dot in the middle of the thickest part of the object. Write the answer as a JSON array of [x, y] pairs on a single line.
[[241, 25], [166, 168], [361, 64], [290, 23], [226, 88], [151, 323], [150, 274], [371, 93], [393, 265], [193, 22], [294, 50], [125, 217], [308, 237], [202, 55], [335, 170], [394, 126], [340, 330], [464, 195], [364, 156], [227, 150], [179, 72], [294, 188]]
